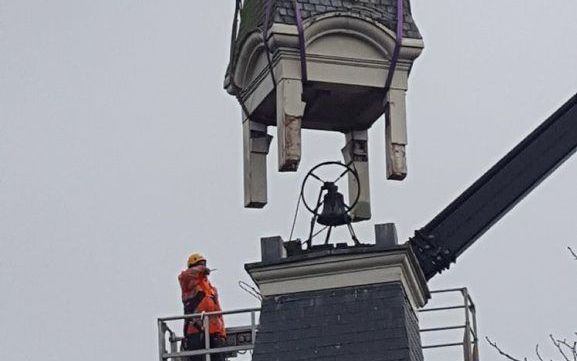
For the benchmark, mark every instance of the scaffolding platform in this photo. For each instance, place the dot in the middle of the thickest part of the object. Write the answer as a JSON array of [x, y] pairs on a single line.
[[241, 339]]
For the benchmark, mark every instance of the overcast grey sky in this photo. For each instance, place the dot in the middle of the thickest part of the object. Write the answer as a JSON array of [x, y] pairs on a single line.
[[120, 154]]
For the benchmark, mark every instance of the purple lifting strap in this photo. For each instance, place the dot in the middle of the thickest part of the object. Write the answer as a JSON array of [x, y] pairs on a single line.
[[302, 45], [268, 8], [234, 32], [301, 35], [395, 58], [238, 7]]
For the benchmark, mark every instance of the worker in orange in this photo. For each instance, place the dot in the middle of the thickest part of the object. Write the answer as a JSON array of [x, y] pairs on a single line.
[[198, 296]]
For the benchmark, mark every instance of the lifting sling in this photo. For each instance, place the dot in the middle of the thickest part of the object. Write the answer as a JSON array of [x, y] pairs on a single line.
[[268, 9], [301, 35], [302, 45], [237, 9], [397, 50]]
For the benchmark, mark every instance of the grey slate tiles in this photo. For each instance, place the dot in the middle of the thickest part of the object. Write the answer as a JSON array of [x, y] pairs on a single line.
[[381, 11], [282, 11], [372, 323]]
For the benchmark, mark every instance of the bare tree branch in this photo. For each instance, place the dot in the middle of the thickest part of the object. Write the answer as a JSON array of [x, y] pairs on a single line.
[[537, 352], [572, 253], [567, 349], [572, 348], [558, 344], [503, 353]]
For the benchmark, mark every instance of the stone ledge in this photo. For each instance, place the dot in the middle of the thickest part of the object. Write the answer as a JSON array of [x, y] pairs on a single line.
[[339, 268]]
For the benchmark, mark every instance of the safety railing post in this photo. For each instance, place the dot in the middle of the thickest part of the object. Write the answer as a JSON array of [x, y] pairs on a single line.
[[161, 341], [173, 343], [467, 350], [475, 335], [205, 326], [467, 345], [252, 327]]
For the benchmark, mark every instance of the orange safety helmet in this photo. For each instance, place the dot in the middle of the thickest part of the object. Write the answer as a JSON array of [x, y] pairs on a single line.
[[194, 259]]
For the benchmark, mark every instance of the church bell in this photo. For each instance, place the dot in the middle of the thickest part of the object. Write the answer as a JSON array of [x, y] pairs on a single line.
[[334, 211]]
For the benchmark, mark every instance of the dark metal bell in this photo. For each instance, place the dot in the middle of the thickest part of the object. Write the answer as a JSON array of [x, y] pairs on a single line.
[[334, 210]]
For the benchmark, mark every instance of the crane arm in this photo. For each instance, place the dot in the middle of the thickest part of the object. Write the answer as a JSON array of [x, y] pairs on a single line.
[[458, 226]]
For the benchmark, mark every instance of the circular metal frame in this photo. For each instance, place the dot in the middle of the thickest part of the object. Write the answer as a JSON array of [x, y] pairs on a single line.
[[311, 172]]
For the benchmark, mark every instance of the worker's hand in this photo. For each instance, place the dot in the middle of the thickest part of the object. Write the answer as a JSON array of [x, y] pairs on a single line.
[[206, 271]]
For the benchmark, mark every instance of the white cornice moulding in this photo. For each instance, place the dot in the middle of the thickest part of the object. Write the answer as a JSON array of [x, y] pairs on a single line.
[[338, 271]]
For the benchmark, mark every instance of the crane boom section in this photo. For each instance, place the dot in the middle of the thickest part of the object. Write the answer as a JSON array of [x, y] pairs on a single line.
[[458, 226]]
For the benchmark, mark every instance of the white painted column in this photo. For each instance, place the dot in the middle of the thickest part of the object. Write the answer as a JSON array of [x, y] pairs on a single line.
[[290, 111], [356, 155], [396, 134], [256, 144]]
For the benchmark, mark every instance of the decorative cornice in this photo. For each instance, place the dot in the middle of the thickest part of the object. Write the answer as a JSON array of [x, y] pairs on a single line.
[[283, 42], [343, 270]]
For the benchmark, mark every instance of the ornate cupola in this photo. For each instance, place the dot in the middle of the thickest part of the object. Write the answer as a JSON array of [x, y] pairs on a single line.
[[333, 65]]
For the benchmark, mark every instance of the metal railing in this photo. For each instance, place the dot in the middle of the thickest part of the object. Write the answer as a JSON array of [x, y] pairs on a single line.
[[242, 338], [238, 338], [470, 342]]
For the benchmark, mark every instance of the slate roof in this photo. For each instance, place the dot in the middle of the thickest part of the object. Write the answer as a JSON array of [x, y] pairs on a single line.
[[381, 11], [373, 322]]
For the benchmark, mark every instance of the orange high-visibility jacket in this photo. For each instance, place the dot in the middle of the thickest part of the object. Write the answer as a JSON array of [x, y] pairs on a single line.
[[192, 281]]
